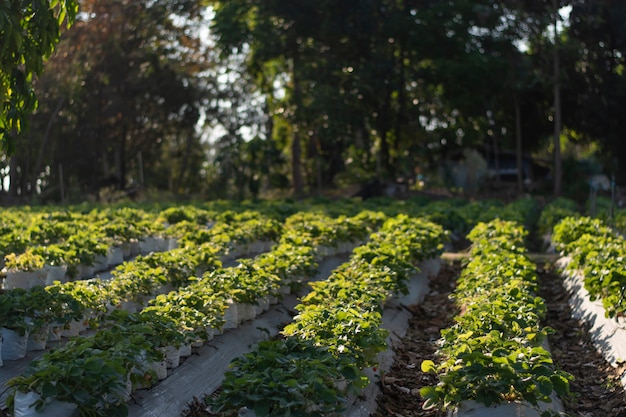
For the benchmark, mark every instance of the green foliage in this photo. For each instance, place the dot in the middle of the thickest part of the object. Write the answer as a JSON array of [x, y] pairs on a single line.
[[27, 261], [495, 351], [246, 283], [13, 310], [30, 31], [290, 377], [195, 309], [523, 211], [178, 265], [338, 325], [598, 252], [94, 296], [497, 236], [50, 305], [554, 212], [90, 372], [570, 229]]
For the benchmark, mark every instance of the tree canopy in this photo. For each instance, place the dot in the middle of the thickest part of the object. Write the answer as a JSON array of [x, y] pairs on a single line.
[[228, 98], [29, 31]]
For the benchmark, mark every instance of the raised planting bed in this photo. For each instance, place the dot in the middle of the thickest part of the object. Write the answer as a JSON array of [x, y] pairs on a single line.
[[203, 372], [594, 274], [322, 362], [494, 361], [608, 334]]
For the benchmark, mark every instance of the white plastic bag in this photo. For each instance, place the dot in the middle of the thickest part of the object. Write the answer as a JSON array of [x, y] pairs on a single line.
[[13, 345], [24, 407]]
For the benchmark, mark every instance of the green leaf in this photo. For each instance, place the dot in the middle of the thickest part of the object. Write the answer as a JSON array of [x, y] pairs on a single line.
[[349, 373], [560, 383], [262, 408], [49, 390], [431, 395], [545, 385], [81, 396], [428, 366]]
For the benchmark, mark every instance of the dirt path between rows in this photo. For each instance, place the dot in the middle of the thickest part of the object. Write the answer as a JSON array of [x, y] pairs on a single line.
[[596, 390]]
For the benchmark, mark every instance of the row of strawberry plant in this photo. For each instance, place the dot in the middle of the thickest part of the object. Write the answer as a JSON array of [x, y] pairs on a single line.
[[598, 252], [75, 244], [495, 352], [319, 361], [135, 282], [132, 285], [71, 239], [74, 240], [611, 210], [168, 320], [459, 216]]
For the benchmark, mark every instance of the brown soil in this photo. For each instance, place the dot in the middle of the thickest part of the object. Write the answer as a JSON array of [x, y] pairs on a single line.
[[596, 390], [401, 384]]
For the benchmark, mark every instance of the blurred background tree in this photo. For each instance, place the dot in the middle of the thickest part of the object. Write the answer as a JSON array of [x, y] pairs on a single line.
[[250, 98]]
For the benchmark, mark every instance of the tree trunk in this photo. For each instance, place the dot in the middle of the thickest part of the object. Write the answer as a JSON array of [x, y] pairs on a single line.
[[382, 158], [296, 163], [496, 161], [184, 165], [399, 123], [120, 163], [557, 107], [296, 145], [314, 153], [518, 144], [13, 177], [44, 143]]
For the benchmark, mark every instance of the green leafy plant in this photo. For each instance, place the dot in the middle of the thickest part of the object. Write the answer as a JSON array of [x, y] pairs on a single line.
[[90, 372], [340, 317], [45, 305], [289, 377], [195, 309], [27, 261], [93, 296], [494, 352], [570, 229], [53, 255], [598, 252], [554, 212], [13, 311]]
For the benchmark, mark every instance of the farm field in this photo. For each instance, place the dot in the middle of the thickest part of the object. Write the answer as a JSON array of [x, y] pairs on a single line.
[[282, 248], [304, 209]]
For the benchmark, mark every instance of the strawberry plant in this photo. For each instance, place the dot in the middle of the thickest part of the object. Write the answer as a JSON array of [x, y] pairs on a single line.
[[598, 252], [494, 353], [341, 317], [90, 372], [290, 377], [30, 260]]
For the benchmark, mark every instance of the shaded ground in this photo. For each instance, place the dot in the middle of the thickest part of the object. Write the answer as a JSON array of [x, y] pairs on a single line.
[[597, 388], [400, 386], [597, 391]]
